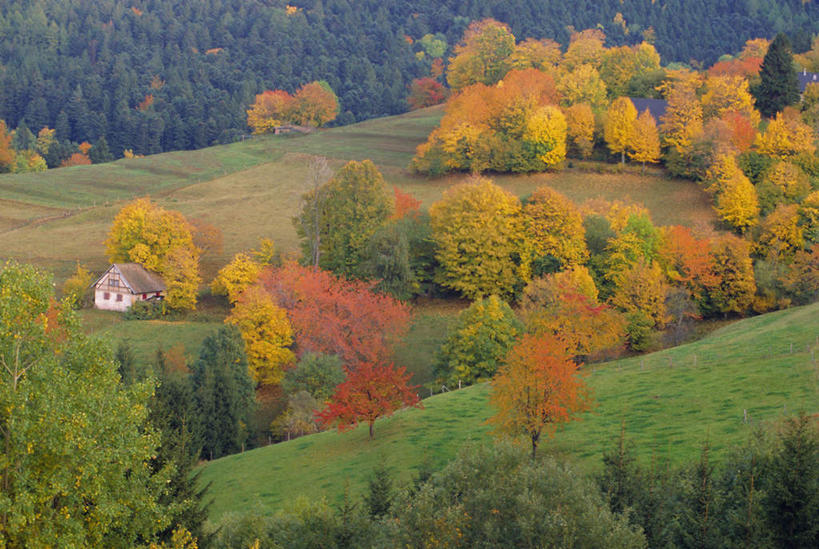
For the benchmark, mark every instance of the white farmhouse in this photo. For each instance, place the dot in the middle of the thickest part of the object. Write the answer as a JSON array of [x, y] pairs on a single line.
[[123, 284]]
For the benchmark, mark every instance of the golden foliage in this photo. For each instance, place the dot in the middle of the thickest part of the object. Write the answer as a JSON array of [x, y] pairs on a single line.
[[645, 140], [580, 126], [583, 84], [481, 56], [780, 234], [546, 134], [619, 126], [585, 48], [682, 121], [728, 93], [642, 289], [267, 334], [736, 201], [235, 277], [543, 55], [786, 136], [555, 227], [480, 239]]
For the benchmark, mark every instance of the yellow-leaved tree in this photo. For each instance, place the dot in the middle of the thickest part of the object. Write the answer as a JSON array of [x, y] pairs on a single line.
[[580, 128], [481, 56], [555, 228], [161, 241], [545, 133], [619, 126], [583, 85], [786, 136], [235, 277], [480, 240], [780, 234], [267, 334], [724, 93], [682, 121], [645, 140]]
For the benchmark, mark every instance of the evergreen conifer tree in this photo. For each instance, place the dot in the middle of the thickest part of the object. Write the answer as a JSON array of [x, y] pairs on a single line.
[[223, 394], [779, 86]]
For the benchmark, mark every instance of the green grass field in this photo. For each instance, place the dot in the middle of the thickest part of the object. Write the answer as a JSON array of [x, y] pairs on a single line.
[[253, 188], [671, 402]]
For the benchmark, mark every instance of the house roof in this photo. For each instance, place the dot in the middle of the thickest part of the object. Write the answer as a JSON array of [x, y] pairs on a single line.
[[806, 78], [656, 107], [136, 278]]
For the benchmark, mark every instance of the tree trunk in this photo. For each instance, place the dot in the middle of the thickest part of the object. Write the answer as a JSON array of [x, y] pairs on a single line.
[[372, 424], [623, 156]]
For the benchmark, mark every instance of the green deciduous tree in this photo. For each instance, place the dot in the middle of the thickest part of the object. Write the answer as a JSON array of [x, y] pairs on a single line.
[[348, 210], [478, 342], [75, 445]]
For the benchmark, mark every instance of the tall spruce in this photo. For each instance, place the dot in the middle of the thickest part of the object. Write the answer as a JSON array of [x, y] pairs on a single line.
[[223, 394], [172, 414], [779, 85]]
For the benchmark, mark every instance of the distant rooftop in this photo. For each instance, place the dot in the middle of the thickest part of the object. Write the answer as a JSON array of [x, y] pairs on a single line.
[[806, 78], [656, 107]]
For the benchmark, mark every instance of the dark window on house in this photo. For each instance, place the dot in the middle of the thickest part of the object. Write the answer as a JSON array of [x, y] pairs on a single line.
[[114, 282], [119, 297], [106, 295]]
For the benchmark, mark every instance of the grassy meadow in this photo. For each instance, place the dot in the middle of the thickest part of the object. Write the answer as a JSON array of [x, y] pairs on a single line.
[[671, 401], [252, 189]]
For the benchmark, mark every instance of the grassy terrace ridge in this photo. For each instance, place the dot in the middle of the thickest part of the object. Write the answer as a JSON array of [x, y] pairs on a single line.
[[670, 400], [252, 189]]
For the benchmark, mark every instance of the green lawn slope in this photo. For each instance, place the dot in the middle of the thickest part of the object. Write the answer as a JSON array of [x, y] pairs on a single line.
[[671, 402], [252, 189]]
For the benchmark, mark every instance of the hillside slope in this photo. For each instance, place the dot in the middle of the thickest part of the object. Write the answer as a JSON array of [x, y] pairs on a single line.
[[59, 217], [671, 402]]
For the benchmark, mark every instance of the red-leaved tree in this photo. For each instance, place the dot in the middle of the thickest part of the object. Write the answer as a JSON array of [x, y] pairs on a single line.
[[425, 92], [333, 315], [370, 391]]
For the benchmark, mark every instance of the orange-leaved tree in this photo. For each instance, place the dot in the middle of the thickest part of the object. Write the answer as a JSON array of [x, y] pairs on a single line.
[[425, 92], [580, 128], [537, 389], [270, 109], [332, 315], [371, 391]]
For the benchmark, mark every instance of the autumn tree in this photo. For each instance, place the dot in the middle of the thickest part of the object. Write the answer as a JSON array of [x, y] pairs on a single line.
[[786, 136], [235, 277], [76, 443], [736, 201], [543, 55], [555, 228], [314, 104], [622, 64], [161, 241], [75, 288], [585, 47], [332, 315], [645, 140], [348, 209], [537, 388], [267, 334], [481, 246], [270, 109], [370, 391], [566, 305], [640, 292], [783, 183], [733, 286], [682, 121], [780, 234], [481, 56], [724, 94], [545, 134], [686, 260], [425, 92], [619, 127], [778, 85], [477, 343], [583, 85], [7, 152], [580, 128]]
